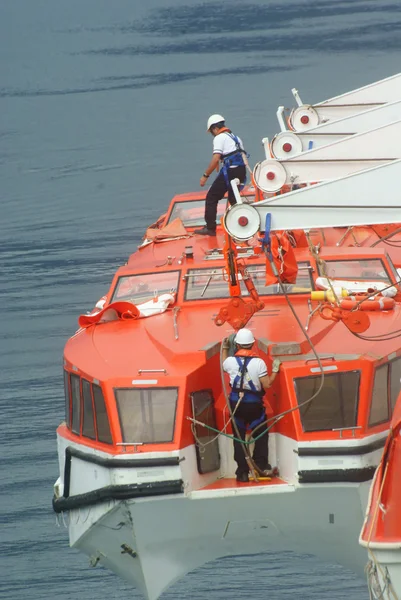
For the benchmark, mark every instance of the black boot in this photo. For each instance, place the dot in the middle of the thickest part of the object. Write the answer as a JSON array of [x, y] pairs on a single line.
[[205, 231]]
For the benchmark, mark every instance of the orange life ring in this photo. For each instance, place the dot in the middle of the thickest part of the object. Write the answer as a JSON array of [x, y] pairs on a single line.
[[381, 303]]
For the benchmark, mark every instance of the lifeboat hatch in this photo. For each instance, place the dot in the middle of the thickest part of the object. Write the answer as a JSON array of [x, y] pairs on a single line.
[[206, 442], [243, 529]]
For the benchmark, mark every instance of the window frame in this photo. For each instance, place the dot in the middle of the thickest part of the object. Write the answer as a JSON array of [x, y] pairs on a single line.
[[211, 451], [394, 272], [95, 412], [304, 264], [147, 389], [75, 376], [67, 399], [84, 380], [171, 217], [353, 278], [376, 370], [327, 375], [139, 275], [392, 406], [208, 271], [92, 385]]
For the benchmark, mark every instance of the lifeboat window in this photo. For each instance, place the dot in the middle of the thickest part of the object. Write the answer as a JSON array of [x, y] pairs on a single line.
[[76, 403], [336, 405], [206, 283], [147, 416], [142, 288], [303, 284], [192, 213], [67, 399], [212, 283], [395, 381], [88, 424], [102, 421], [395, 272], [379, 409], [361, 269], [207, 446]]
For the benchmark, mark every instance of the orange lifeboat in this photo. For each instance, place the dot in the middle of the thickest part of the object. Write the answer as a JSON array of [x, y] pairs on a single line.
[[381, 532]]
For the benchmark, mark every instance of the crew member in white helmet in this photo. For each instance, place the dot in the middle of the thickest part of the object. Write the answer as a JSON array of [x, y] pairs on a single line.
[[248, 380], [229, 151]]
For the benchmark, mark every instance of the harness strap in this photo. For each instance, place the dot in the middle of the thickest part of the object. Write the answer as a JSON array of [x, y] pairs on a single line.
[[238, 149], [233, 159], [236, 141], [242, 425], [258, 421], [239, 377], [224, 156], [243, 366]]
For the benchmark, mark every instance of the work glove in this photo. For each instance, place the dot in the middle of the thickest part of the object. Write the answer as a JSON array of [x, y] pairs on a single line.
[[229, 344], [231, 339], [276, 365]]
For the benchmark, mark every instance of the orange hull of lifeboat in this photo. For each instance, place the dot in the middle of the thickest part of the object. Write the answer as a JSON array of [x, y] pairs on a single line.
[[381, 532], [383, 522]]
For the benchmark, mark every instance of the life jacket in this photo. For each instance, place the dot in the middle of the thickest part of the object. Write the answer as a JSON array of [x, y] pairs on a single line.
[[234, 158], [243, 358], [247, 352]]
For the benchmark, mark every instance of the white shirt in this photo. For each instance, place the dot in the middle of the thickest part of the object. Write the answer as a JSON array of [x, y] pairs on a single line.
[[224, 144], [255, 369]]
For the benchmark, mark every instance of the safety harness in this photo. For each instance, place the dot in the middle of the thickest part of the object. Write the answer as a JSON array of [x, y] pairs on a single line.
[[249, 395], [234, 158]]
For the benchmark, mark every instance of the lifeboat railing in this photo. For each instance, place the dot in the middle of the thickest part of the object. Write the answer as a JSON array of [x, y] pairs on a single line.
[[353, 428]]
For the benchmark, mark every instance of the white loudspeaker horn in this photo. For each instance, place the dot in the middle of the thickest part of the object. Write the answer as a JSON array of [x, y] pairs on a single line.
[[242, 222], [270, 175], [303, 118], [286, 145]]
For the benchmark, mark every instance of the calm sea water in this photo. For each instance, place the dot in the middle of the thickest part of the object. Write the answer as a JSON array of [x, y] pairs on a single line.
[[103, 106]]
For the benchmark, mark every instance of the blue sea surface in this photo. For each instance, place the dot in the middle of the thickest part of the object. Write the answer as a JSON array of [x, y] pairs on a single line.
[[103, 109]]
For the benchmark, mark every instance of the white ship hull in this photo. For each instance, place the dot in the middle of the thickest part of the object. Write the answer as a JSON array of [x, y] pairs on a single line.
[[153, 541]]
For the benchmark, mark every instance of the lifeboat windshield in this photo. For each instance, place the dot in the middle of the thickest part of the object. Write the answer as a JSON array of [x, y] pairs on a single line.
[[371, 269], [192, 213], [202, 284], [336, 405], [142, 288], [147, 415]]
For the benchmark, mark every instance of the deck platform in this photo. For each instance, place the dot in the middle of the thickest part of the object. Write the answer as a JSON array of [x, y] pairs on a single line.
[[231, 487]]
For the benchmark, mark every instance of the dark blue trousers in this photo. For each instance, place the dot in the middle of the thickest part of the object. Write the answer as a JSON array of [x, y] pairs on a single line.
[[217, 191], [244, 416]]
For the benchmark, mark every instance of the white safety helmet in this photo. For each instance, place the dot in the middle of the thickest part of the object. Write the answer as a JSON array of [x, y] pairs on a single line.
[[244, 337], [213, 119]]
